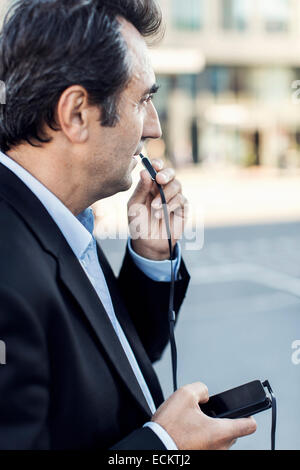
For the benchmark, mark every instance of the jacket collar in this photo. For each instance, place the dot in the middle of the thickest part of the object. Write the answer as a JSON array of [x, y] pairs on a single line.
[[77, 230]]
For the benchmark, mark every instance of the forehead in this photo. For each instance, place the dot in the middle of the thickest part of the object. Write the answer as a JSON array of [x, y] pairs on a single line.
[[142, 74]]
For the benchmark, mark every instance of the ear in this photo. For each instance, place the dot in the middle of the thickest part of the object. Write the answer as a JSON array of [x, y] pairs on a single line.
[[73, 114]]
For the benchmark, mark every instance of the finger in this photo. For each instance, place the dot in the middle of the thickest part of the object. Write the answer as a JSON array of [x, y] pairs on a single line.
[[178, 205], [241, 427], [178, 202], [171, 190], [198, 391], [165, 176], [228, 445], [157, 164], [142, 190]]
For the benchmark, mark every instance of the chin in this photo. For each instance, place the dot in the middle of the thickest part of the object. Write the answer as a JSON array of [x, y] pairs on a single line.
[[123, 185], [115, 188], [127, 183]]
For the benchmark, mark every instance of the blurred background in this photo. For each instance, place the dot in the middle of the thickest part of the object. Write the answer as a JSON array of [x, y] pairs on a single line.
[[226, 68], [229, 104], [230, 113]]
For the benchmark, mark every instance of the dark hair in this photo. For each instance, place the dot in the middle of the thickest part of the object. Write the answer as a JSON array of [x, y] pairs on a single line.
[[48, 45]]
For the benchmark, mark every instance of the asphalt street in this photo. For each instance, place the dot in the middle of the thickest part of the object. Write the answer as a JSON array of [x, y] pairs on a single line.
[[239, 320]]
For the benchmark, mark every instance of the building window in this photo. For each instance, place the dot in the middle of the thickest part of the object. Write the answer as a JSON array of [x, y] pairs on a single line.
[[276, 15], [188, 14], [236, 14]]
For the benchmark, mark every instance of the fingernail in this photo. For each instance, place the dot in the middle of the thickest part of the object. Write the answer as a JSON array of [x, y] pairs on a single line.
[[158, 163], [164, 178]]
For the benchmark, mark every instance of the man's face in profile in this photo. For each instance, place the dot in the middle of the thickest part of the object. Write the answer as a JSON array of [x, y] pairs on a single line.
[[114, 148]]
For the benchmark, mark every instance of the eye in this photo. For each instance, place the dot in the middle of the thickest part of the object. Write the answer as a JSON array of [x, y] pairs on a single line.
[[148, 99]]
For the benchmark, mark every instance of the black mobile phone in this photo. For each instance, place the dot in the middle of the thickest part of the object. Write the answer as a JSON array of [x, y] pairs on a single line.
[[239, 402]]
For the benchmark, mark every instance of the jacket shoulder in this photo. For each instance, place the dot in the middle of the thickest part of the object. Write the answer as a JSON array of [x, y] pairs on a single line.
[[23, 259]]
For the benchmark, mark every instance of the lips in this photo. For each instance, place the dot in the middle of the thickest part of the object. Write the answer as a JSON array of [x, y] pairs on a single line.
[[139, 151]]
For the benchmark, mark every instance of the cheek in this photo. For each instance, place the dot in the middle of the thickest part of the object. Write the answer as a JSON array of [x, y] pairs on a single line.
[[133, 126]]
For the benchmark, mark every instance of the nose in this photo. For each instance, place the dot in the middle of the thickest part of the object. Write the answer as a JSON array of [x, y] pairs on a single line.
[[152, 127]]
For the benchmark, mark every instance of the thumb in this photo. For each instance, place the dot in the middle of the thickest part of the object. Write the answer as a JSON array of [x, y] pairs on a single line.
[[241, 427], [142, 190], [198, 392]]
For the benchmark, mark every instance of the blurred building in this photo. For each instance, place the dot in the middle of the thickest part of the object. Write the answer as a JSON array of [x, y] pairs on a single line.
[[238, 100]]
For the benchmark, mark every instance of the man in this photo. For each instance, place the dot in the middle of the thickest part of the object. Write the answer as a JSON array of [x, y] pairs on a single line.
[[79, 342]]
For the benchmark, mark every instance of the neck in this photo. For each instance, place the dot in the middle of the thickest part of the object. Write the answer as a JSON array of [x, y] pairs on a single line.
[[56, 173]]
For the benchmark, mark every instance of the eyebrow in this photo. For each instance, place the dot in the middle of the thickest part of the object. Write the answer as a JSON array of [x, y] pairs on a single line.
[[151, 91]]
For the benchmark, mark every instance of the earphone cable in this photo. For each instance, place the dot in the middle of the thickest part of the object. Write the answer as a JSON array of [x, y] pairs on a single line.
[[171, 311]]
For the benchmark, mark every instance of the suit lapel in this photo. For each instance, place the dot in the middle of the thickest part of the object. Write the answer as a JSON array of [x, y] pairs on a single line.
[[130, 331], [77, 282], [38, 220]]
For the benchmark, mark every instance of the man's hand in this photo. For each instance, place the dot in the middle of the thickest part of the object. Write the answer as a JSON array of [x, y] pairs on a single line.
[[145, 213], [191, 429]]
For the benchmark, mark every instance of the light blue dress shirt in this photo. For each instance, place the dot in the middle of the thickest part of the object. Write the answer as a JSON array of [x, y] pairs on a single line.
[[78, 232]]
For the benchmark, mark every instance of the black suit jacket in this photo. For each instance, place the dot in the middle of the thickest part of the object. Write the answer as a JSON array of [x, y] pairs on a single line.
[[67, 383]]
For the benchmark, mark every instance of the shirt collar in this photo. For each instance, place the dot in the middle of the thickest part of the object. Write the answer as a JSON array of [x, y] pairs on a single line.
[[78, 231]]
